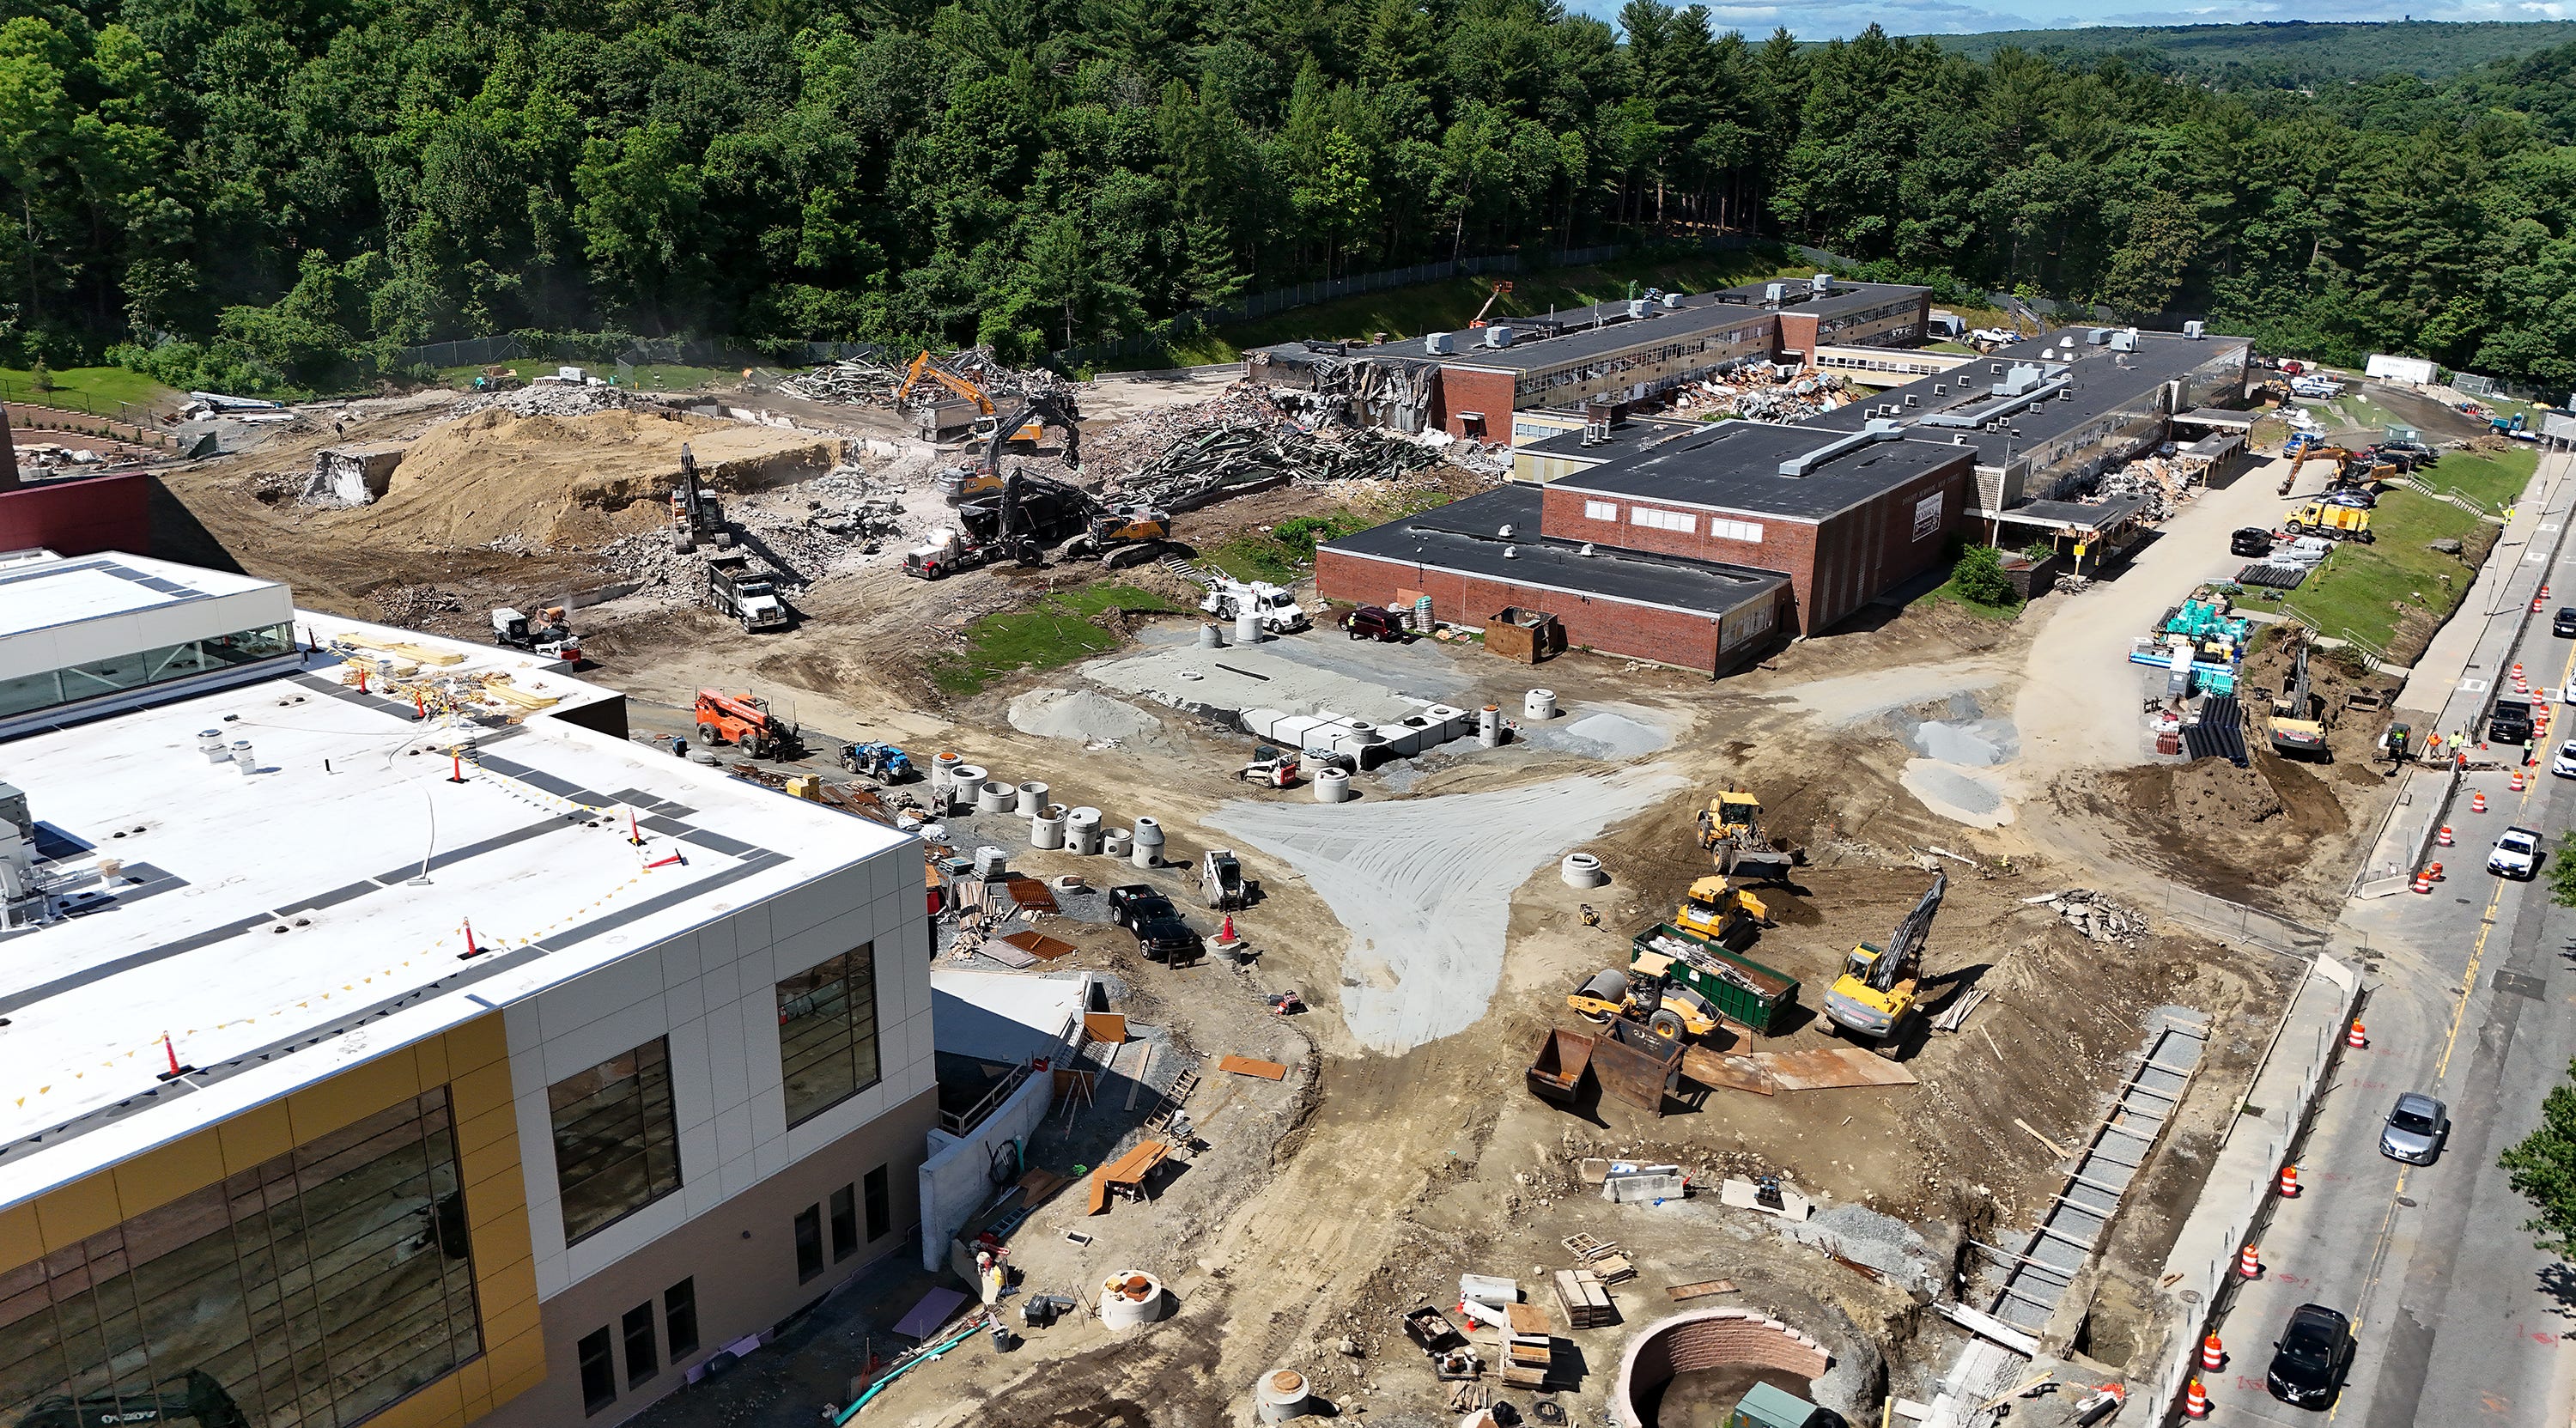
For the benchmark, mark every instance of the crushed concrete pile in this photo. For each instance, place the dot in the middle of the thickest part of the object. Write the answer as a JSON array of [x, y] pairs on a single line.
[[556, 399], [497, 480], [2096, 915], [2165, 484], [852, 381], [1080, 715]]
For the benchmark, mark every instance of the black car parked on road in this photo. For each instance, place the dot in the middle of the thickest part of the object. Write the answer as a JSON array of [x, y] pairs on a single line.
[[2310, 1359]]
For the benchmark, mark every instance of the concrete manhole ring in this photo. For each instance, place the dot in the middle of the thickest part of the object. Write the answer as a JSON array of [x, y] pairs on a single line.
[[1582, 870], [1709, 1338]]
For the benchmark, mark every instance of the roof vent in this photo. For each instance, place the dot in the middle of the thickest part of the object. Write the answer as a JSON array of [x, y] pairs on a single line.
[[1499, 336], [1821, 284], [1505, 532], [1511, 552], [1439, 343], [1672, 302], [1911, 399], [1637, 307], [2195, 330], [1587, 548], [1775, 293]]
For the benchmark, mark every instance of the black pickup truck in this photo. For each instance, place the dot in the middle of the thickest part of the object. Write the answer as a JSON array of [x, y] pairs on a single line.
[[1160, 933]]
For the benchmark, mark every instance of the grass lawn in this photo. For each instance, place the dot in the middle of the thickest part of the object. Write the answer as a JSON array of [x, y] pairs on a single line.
[[96, 390], [2364, 591], [2491, 480], [1947, 593], [1446, 306], [1057, 631]]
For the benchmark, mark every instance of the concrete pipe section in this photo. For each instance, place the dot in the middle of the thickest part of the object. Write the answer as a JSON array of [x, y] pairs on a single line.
[[943, 769], [1582, 870], [1129, 1298], [1211, 637], [1332, 786], [1539, 704], [964, 782], [1148, 842], [1113, 842], [1082, 830], [1047, 829], [1709, 1339], [1280, 1396], [1247, 625], [1033, 799], [996, 796], [1489, 727]]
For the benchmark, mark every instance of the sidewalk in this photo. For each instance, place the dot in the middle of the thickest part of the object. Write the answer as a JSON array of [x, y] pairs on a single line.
[[2452, 678], [2197, 1270]]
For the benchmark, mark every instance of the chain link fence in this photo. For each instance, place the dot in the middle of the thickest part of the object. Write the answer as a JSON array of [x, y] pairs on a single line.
[[2236, 922]]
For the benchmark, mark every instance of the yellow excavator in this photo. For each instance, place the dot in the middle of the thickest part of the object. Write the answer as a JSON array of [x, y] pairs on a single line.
[[2295, 735], [1715, 910], [1642, 993], [988, 420], [1731, 830], [1876, 995]]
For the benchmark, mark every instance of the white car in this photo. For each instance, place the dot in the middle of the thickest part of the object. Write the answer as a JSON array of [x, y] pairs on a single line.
[[2315, 387], [2516, 855], [2563, 763]]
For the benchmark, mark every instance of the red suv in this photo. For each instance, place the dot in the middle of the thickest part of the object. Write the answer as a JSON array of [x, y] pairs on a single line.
[[1373, 622]]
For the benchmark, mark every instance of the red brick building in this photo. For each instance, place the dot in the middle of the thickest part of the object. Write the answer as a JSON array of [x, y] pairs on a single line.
[[1696, 550]]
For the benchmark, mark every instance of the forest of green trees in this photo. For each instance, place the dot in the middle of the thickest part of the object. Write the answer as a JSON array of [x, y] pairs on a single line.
[[284, 193]]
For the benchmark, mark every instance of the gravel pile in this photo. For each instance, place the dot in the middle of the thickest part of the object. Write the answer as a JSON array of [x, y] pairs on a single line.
[[556, 399], [1079, 715]]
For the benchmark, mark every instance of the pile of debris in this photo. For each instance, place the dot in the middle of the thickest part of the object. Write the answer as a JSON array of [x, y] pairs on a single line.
[[1763, 391], [557, 399], [852, 381], [832, 525], [2166, 485], [2095, 915], [1183, 457]]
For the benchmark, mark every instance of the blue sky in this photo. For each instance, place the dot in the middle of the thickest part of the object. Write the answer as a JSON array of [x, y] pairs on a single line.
[[1825, 19]]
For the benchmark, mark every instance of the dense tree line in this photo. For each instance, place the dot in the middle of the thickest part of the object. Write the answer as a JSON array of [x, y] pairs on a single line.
[[2285, 54], [286, 191]]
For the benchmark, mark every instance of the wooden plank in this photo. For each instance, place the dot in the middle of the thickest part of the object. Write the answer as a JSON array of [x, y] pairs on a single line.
[[1110, 1027], [1830, 1069], [1682, 1293], [2053, 1147], [1038, 944], [1246, 1066], [1527, 1319], [1724, 1073]]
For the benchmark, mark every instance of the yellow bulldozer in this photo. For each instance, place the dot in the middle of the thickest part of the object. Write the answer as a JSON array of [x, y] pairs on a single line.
[[1730, 828], [1715, 910]]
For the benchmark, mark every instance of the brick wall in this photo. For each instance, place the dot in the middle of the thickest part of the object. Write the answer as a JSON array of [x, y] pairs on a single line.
[[1797, 333], [1610, 626], [1462, 390], [1873, 547], [1786, 546], [78, 516]]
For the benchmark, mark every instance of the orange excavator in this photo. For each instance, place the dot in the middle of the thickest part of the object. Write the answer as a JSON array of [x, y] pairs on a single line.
[[987, 421]]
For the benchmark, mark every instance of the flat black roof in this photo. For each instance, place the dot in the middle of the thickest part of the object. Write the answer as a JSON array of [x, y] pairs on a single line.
[[1799, 295], [1466, 536], [2101, 380], [1625, 436], [1735, 466]]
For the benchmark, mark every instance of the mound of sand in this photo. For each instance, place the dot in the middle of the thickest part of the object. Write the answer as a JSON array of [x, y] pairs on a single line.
[[555, 482]]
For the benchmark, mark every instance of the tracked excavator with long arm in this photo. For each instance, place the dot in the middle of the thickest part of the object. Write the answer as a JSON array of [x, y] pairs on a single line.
[[2295, 735], [1876, 996]]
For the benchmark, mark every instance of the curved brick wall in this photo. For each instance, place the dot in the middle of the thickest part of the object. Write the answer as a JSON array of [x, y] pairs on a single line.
[[1710, 1338]]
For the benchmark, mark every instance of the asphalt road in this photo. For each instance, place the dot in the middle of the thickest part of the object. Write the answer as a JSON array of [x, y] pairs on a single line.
[[2460, 1319]]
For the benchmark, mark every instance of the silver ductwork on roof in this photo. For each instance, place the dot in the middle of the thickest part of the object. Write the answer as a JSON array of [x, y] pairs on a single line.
[[1876, 431]]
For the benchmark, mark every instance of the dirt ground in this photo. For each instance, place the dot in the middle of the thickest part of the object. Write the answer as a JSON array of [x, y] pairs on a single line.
[[1363, 1184]]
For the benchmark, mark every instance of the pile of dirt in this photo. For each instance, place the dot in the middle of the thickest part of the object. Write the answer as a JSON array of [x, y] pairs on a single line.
[[548, 483], [2219, 828], [2216, 792]]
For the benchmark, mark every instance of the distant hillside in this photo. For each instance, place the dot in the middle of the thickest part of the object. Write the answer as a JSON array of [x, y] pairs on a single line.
[[2294, 53]]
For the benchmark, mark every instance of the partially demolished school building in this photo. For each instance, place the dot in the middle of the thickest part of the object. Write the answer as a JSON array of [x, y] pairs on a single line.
[[1698, 545]]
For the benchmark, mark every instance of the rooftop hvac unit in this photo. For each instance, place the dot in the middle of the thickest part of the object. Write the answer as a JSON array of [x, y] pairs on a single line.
[[2195, 330], [1672, 302], [1821, 284], [1940, 388], [1637, 307], [1910, 399], [1775, 293], [1498, 336], [2125, 340], [1438, 343], [2097, 336], [2019, 380]]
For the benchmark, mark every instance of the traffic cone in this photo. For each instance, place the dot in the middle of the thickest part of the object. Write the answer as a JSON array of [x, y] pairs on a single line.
[[2422, 883], [2517, 671], [1226, 932], [2213, 1355], [2289, 1191], [2535, 604], [2196, 1401], [2514, 784], [2435, 872], [2478, 801], [2443, 837], [2250, 1263], [2356, 1038]]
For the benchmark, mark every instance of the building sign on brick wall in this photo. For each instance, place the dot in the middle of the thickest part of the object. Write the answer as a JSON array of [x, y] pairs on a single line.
[[1927, 515]]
